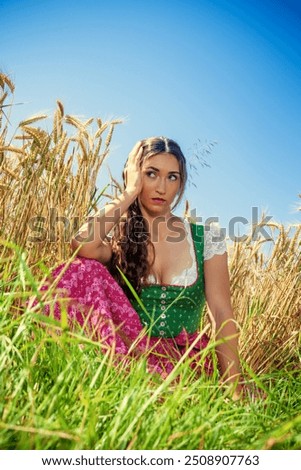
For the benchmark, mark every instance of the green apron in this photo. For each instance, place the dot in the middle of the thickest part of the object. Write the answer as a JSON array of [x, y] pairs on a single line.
[[168, 308]]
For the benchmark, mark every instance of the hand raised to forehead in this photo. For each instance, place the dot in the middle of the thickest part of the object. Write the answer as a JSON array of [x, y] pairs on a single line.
[[132, 170]]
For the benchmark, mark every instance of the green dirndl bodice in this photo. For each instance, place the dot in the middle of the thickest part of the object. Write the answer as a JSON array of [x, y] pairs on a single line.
[[167, 309]]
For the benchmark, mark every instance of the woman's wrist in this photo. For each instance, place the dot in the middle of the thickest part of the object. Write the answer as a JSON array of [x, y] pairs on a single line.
[[130, 194], [122, 202]]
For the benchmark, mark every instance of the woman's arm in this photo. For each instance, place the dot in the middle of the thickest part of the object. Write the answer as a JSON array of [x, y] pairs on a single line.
[[217, 290], [91, 237]]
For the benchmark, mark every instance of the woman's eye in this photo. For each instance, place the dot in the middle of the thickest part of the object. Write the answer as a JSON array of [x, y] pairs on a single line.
[[151, 174], [173, 177]]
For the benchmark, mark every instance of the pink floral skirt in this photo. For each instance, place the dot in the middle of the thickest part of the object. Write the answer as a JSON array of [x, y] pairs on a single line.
[[96, 302]]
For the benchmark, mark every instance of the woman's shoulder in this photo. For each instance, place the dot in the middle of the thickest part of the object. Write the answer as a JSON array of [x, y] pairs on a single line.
[[214, 238]]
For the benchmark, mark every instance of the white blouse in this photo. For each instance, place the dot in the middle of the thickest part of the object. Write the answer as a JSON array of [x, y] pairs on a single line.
[[211, 247]]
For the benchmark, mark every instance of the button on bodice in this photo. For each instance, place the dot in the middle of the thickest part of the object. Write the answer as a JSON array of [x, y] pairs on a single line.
[[178, 306]]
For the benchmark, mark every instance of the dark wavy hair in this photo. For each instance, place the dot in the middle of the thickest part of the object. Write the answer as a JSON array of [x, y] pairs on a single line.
[[131, 238]]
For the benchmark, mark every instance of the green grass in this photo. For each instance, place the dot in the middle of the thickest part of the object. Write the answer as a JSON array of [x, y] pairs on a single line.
[[59, 391]]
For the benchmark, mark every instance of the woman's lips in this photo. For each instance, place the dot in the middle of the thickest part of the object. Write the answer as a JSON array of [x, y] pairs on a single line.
[[158, 200]]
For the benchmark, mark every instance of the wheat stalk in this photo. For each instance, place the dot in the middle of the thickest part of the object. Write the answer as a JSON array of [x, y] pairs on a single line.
[[49, 174]]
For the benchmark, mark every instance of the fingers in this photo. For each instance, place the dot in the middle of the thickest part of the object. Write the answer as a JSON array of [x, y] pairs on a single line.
[[136, 147], [132, 168], [135, 154], [137, 144]]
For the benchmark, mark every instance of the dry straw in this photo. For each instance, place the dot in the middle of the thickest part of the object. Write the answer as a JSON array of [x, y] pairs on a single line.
[[48, 181], [42, 170]]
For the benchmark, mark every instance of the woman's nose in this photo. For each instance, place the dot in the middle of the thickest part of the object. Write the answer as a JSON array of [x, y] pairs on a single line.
[[161, 187]]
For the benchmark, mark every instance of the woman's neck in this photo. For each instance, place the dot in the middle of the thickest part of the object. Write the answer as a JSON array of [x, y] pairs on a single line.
[[153, 218], [158, 225]]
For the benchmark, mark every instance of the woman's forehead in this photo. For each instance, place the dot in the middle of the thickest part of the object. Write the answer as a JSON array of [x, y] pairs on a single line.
[[162, 161]]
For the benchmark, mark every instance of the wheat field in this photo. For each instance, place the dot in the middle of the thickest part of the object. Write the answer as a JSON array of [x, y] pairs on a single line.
[[47, 175], [47, 189]]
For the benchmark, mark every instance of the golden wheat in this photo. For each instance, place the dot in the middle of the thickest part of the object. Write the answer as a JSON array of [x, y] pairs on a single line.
[[48, 187], [48, 175]]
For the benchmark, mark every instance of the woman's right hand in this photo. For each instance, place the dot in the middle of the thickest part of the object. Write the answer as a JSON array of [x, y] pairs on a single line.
[[132, 171]]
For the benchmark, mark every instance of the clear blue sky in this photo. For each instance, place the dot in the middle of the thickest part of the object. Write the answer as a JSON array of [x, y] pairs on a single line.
[[226, 71]]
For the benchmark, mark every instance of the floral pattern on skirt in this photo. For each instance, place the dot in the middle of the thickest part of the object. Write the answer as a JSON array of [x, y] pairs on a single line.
[[97, 302]]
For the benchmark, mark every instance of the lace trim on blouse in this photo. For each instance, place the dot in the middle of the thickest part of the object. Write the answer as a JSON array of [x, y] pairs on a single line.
[[214, 241], [214, 244]]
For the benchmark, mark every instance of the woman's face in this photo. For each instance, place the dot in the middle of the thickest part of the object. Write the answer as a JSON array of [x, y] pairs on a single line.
[[161, 183]]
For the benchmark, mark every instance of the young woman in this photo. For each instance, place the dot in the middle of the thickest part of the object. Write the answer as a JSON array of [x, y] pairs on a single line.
[[172, 265]]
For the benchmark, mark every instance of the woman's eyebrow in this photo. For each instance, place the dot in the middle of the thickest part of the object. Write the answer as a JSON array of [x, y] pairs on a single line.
[[156, 169]]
